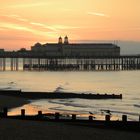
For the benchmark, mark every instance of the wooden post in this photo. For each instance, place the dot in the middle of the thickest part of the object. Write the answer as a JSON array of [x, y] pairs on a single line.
[[4, 64], [23, 64], [11, 64], [107, 118], [73, 117], [23, 112], [57, 115], [39, 113], [16, 64], [124, 118], [121, 96], [5, 111], [90, 118]]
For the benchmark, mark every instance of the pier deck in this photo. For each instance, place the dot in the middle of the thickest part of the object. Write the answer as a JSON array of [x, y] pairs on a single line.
[[40, 62]]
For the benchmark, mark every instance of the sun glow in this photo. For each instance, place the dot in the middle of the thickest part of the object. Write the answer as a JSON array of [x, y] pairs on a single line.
[[32, 21]]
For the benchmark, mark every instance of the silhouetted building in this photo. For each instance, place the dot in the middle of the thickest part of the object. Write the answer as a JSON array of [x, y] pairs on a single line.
[[1, 50], [22, 50], [76, 49]]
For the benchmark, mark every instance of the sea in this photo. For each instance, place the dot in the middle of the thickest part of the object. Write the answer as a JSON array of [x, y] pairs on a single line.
[[126, 83]]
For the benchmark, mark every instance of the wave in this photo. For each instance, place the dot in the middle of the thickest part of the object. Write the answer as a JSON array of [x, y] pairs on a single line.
[[59, 89], [70, 104], [60, 109], [6, 88], [69, 110], [121, 112], [93, 107]]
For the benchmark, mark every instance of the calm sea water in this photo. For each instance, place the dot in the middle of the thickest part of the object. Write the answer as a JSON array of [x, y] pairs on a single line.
[[121, 82]]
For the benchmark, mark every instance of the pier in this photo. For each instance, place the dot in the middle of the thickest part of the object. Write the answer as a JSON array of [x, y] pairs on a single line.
[[15, 61]]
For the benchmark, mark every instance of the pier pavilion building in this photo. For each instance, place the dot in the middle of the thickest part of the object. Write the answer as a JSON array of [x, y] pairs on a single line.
[[67, 49]]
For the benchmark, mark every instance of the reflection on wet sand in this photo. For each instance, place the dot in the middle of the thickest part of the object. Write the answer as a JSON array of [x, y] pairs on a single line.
[[32, 110]]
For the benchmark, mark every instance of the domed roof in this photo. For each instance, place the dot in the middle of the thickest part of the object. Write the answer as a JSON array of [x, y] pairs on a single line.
[[38, 44]]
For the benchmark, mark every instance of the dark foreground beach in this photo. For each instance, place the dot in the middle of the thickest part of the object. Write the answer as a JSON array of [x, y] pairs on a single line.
[[39, 130], [35, 130]]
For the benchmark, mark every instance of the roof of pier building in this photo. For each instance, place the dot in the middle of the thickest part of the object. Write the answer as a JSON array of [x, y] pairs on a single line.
[[66, 44]]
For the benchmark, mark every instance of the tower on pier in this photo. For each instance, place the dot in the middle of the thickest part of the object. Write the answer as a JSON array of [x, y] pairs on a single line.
[[66, 40], [60, 40]]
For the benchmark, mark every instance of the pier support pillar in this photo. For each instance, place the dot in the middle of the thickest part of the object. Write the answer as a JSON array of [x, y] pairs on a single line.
[[4, 64], [23, 64], [16, 64]]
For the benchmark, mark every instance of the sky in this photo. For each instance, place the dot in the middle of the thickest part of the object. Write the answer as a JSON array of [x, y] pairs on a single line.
[[23, 23]]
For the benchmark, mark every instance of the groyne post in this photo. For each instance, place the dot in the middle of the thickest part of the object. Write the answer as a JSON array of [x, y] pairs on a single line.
[[124, 118], [73, 117], [57, 115], [107, 118], [39, 114], [22, 112], [90, 118], [5, 112]]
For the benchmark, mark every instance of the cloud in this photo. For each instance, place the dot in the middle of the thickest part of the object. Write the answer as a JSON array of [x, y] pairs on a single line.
[[54, 27], [98, 14], [28, 5], [1, 29], [17, 17], [11, 22], [27, 29], [44, 26], [65, 27], [13, 26]]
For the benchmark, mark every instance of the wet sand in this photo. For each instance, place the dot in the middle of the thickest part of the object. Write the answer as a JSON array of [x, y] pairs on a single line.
[[35, 130]]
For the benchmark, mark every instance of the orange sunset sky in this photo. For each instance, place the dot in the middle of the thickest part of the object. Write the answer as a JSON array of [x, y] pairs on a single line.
[[23, 23]]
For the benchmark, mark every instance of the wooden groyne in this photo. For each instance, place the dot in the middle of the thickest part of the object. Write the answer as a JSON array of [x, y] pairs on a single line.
[[107, 123], [57, 95]]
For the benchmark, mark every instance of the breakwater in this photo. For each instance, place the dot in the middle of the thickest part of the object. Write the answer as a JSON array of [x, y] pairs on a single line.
[[57, 95], [72, 119]]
